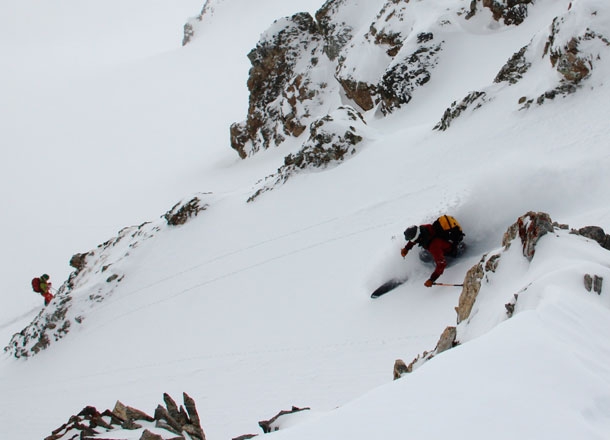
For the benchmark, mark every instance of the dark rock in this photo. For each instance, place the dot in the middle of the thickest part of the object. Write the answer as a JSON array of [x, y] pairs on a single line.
[[79, 261], [360, 92], [595, 233], [403, 78], [181, 212], [267, 425], [333, 138], [274, 85], [457, 109], [147, 435], [89, 422], [511, 12], [514, 69], [336, 34], [400, 368], [593, 283]]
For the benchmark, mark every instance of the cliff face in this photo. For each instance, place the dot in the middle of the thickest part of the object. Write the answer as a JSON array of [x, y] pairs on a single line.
[[378, 59]]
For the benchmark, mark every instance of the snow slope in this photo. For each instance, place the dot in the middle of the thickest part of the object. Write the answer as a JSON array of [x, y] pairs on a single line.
[[252, 308]]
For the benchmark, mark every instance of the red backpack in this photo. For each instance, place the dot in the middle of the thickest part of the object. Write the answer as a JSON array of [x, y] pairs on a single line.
[[36, 285]]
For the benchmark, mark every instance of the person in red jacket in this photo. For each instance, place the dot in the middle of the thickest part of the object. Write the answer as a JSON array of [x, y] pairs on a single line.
[[42, 285], [439, 244]]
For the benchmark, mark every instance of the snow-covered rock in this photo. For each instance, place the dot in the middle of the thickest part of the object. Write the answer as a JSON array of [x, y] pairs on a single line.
[[572, 51], [332, 139]]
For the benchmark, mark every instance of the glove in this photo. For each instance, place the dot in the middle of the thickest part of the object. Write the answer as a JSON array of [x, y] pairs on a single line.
[[428, 283], [404, 252]]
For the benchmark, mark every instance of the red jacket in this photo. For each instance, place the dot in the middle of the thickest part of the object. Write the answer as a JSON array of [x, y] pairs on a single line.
[[437, 247]]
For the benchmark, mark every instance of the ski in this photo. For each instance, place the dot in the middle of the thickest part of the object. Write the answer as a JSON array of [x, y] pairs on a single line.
[[387, 286]]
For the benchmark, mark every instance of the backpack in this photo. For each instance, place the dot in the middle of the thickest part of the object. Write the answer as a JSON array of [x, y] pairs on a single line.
[[36, 285], [448, 228]]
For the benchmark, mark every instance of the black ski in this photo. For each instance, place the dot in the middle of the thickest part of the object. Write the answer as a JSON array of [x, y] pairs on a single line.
[[387, 286]]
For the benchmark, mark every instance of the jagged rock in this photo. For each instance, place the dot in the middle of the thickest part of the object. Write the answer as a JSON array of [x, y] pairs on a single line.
[[400, 368], [189, 27], [181, 212], [511, 12], [514, 69], [447, 340], [595, 233], [529, 228], [269, 425], [474, 99], [89, 423], [278, 92], [510, 307], [336, 33], [472, 285], [403, 78], [79, 261], [362, 93], [147, 435], [333, 138], [568, 60]]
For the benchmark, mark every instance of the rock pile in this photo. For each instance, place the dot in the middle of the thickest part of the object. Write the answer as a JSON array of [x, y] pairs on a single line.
[[169, 422]]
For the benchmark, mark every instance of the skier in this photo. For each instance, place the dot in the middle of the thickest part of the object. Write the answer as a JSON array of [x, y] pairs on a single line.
[[42, 285], [441, 239]]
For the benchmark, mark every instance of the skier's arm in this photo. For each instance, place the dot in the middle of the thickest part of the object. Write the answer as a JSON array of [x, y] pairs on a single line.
[[405, 250]]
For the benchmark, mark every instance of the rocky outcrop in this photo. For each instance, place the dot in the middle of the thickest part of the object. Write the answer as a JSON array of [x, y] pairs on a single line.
[[337, 33], [398, 60], [281, 93], [98, 273], [332, 139], [472, 284], [514, 69], [302, 67], [594, 233], [273, 424], [401, 80], [473, 101], [191, 25], [169, 422], [182, 211], [446, 341], [510, 12], [527, 230], [568, 52]]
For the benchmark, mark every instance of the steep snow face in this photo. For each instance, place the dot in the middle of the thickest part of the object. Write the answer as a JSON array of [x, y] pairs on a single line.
[[255, 307]]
